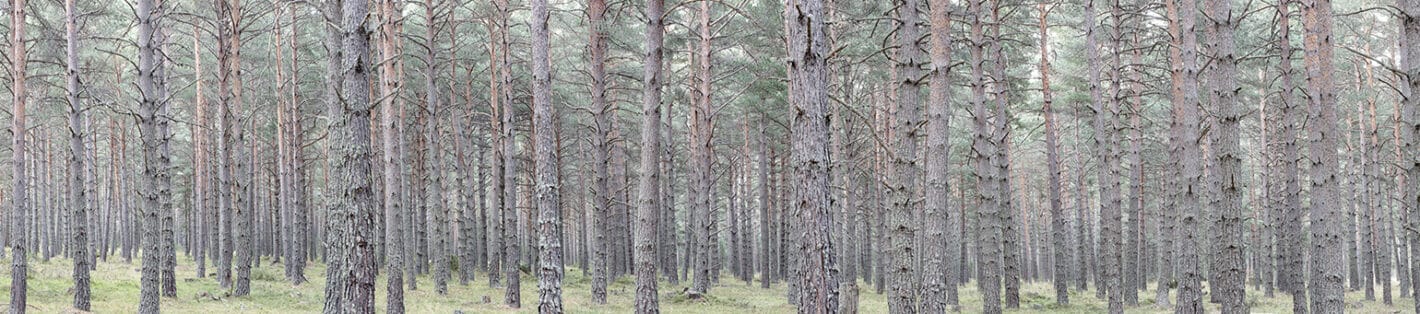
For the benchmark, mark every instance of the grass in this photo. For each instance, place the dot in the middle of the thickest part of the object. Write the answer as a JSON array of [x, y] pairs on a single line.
[[115, 290]]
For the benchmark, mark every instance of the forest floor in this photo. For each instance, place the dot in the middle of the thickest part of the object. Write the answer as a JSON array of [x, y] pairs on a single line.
[[115, 290]]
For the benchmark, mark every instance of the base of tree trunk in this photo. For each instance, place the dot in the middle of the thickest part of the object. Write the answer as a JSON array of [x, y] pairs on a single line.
[[848, 298]]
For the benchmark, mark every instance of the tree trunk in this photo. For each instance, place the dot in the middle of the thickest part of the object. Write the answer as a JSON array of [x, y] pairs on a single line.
[[1187, 145], [902, 254], [984, 146], [394, 212], [1287, 201], [152, 120], [1058, 221], [79, 203], [808, 51], [1009, 219], [940, 256], [648, 198], [545, 182], [352, 212], [702, 156], [766, 273], [1327, 264], [206, 247], [603, 114], [1408, 129], [435, 180], [1229, 260], [20, 198]]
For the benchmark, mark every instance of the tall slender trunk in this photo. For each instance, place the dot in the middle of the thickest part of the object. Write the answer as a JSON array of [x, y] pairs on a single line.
[[1058, 220], [19, 200], [648, 199], [984, 146], [1008, 214], [940, 257], [1287, 201], [602, 114], [512, 251], [1327, 264], [1187, 145], [545, 181], [153, 122], [79, 202], [1408, 129], [766, 267], [435, 209], [702, 155], [1229, 260], [902, 294], [200, 164], [394, 211]]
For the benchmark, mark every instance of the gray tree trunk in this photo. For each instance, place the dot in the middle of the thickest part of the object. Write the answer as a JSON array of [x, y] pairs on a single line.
[[1058, 220], [352, 210], [394, 212], [152, 121], [602, 114], [808, 51], [988, 228], [702, 156], [902, 294], [648, 205], [435, 181], [1408, 131], [1287, 199], [1008, 218], [79, 203], [1186, 143], [940, 258], [1327, 265], [545, 181], [1228, 208]]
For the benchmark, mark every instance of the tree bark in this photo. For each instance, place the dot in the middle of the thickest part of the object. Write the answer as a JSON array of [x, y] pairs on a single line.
[[1008, 214], [702, 156], [79, 203], [902, 294], [19, 229], [940, 254], [1187, 145], [1287, 200], [1408, 129], [153, 122], [546, 184], [352, 212], [437, 209], [808, 51], [1229, 260], [602, 114], [648, 205], [394, 212], [1327, 264], [1058, 221]]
